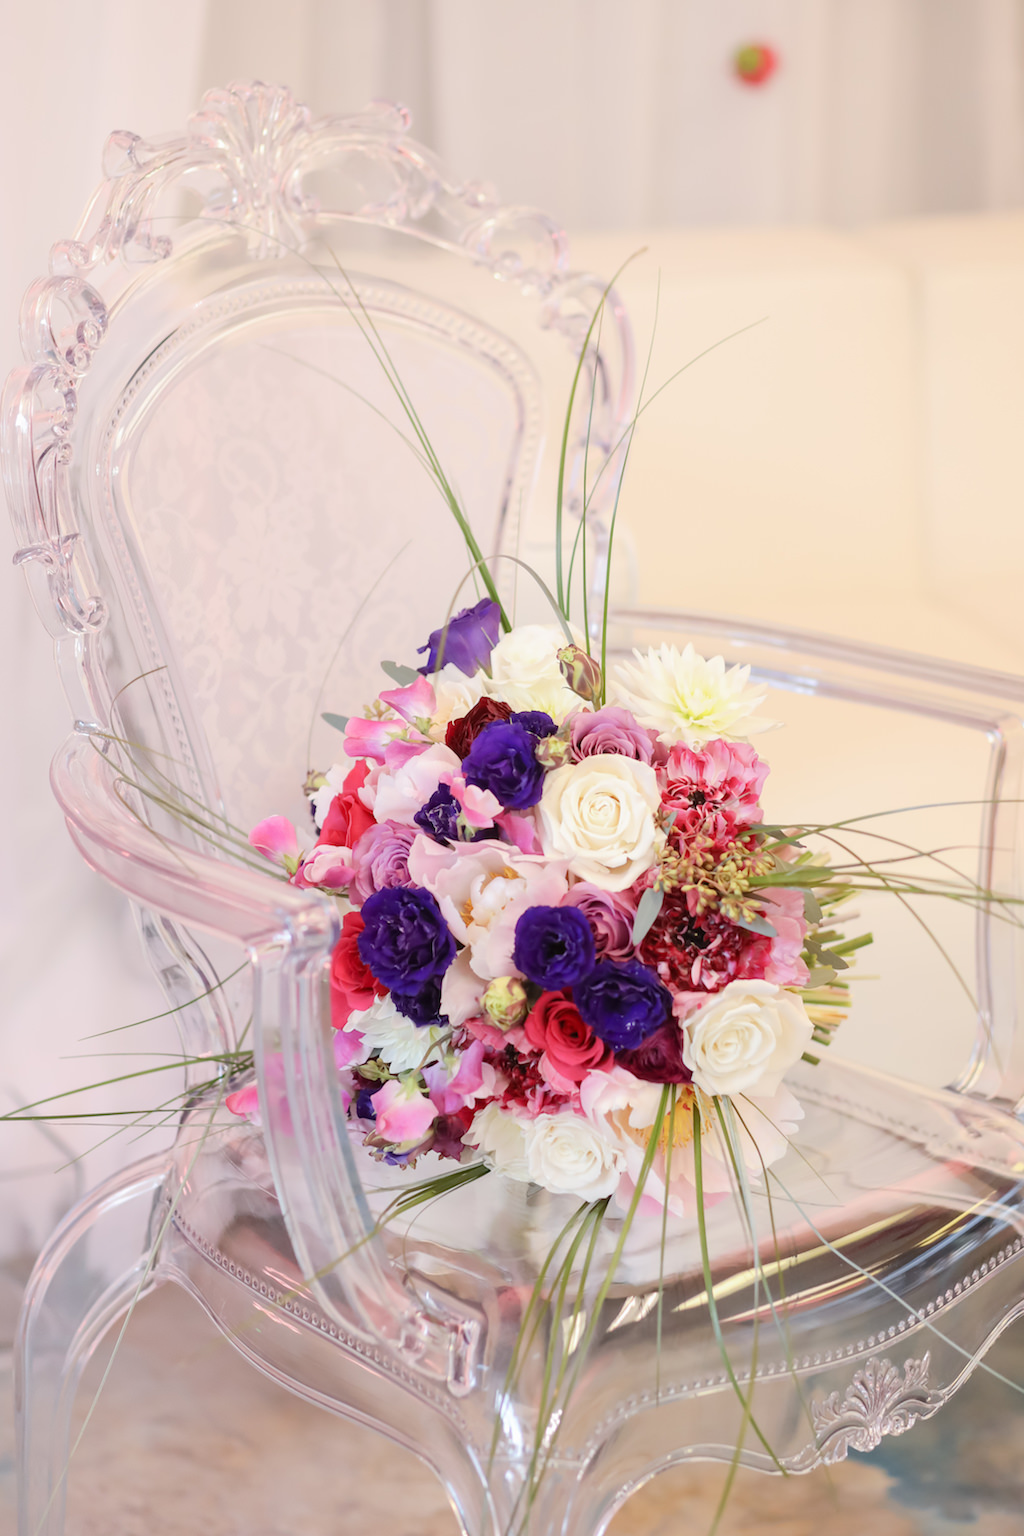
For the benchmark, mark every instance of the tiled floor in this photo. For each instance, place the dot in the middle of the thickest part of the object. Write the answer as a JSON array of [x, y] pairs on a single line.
[[187, 1438]]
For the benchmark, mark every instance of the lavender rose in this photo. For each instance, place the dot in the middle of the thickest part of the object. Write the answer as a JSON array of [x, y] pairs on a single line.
[[611, 729], [381, 859], [466, 641], [610, 914]]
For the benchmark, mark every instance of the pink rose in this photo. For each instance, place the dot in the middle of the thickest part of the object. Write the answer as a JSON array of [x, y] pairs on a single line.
[[570, 1047]]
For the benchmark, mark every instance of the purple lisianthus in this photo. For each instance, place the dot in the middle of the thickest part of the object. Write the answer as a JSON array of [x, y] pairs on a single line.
[[405, 941], [554, 946], [659, 1058], [380, 859], [611, 916], [423, 1006], [609, 730], [466, 641], [535, 721], [623, 1002], [503, 759], [439, 816]]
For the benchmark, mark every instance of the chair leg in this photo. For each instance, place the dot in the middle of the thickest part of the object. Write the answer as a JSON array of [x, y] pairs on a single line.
[[96, 1264]]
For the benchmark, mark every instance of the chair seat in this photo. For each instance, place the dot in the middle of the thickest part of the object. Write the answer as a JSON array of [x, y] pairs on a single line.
[[897, 1217]]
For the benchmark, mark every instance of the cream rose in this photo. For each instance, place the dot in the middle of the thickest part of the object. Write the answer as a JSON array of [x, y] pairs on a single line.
[[501, 1137], [599, 814], [569, 1156], [746, 1038], [525, 671]]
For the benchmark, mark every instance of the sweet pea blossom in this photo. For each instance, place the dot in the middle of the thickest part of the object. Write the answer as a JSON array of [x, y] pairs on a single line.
[[466, 640], [416, 702], [483, 889], [369, 738], [460, 1080], [404, 1113], [276, 839]]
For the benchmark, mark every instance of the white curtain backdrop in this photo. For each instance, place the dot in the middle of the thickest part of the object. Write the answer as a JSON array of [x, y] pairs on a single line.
[[611, 114]]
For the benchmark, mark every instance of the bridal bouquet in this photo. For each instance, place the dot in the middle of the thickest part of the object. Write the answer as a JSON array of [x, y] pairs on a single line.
[[561, 903]]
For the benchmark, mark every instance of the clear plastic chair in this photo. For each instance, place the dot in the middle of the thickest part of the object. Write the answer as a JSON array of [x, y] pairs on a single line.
[[202, 459]]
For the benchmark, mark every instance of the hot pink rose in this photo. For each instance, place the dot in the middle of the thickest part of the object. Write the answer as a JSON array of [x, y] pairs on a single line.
[[347, 818], [570, 1047]]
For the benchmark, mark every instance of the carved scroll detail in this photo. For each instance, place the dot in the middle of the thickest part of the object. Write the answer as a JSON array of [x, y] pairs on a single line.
[[881, 1400]]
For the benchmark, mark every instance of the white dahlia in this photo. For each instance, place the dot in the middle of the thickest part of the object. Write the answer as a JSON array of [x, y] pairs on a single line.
[[686, 698]]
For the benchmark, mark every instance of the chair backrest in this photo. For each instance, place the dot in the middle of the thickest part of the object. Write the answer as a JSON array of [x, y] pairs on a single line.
[[205, 454]]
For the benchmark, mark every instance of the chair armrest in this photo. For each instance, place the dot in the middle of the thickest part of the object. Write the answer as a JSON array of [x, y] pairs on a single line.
[[290, 935]]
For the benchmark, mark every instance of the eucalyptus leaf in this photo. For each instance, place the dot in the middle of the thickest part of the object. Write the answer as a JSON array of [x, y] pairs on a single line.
[[757, 925], [812, 907], [339, 722], [403, 676], [837, 962], [821, 976], [647, 911]]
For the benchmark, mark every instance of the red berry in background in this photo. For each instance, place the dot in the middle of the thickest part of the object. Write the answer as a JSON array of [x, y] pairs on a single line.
[[755, 63]]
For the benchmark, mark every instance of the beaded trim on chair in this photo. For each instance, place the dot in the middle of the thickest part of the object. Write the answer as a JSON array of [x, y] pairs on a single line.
[[371, 1354]]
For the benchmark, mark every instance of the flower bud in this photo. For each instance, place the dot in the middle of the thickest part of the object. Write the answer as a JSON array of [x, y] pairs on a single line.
[[505, 1002], [552, 752], [581, 672], [314, 780]]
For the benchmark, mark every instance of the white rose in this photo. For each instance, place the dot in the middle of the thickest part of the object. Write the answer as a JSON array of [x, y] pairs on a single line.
[[569, 1156], [746, 1038], [599, 814], [454, 695], [525, 671], [501, 1137]]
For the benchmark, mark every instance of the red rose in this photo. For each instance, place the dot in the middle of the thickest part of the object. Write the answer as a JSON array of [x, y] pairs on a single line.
[[347, 817], [353, 986], [554, 1026], [462, 733]]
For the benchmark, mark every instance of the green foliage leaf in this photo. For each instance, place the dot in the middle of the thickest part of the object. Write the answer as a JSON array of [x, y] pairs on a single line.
[[648, 907], [812, 907], [403, 676], [339, 722], [757, 925]]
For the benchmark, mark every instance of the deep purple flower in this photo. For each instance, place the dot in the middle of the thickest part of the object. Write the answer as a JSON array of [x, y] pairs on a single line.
[[554, 946], [535, 721], [439, 817], [611, 729], [364, 1102], [405, 941], [381, 859], [659, 1058], [423, 1006], [623, 1002], [503, 760], [610, 914], [466, 641]]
